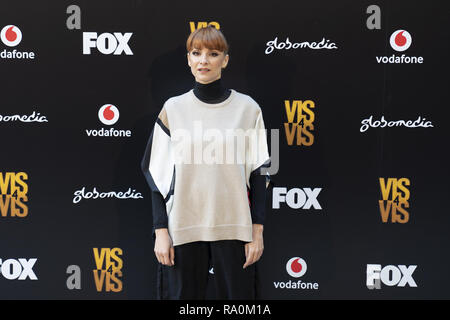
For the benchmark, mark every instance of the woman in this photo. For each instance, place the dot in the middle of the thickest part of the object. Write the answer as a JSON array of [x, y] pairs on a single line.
[[207, 212]]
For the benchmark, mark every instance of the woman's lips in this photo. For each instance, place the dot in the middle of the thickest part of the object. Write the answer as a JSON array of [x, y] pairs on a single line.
[[203, 70]]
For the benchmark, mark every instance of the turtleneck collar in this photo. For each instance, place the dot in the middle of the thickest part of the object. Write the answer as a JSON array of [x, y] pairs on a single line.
[[213, 92]]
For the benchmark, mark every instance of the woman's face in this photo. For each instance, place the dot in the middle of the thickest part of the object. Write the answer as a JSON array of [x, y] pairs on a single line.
[[206, 65]]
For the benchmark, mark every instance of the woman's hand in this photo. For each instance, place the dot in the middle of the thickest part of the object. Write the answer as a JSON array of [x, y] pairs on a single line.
[[254, 249], [163, 247]]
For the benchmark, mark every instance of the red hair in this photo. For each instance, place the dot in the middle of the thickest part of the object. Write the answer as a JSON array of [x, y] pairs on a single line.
[[208, 37]]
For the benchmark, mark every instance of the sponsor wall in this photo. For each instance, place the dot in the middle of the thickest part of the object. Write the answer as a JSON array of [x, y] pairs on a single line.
[[354, 98]]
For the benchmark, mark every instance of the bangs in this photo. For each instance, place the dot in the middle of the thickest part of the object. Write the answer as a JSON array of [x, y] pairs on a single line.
[[209, 38]]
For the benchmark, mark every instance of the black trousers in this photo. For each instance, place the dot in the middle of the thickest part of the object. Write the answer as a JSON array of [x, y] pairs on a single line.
[[188, 278]]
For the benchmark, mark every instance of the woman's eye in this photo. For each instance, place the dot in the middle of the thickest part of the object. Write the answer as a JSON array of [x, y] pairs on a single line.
[[196, 53]]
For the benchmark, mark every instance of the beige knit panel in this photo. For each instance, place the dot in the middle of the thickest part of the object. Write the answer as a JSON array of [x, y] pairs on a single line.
[[163, 117]]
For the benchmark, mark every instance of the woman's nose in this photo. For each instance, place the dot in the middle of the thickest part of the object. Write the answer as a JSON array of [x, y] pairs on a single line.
[[203, 59]]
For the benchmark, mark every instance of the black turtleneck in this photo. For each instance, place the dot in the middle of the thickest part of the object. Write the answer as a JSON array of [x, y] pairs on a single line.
[[213, 92]]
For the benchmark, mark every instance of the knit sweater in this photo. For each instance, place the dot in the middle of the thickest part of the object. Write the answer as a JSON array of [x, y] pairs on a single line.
[[206, 195]]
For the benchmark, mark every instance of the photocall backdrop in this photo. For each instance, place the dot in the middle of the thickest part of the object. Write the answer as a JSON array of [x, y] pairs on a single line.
[[355, 93]]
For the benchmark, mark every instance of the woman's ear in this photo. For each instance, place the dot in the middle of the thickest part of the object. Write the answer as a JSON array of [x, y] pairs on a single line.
[[225, 62]]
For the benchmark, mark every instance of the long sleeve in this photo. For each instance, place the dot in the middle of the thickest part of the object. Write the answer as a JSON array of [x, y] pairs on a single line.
[[258, 181], [159, 170]]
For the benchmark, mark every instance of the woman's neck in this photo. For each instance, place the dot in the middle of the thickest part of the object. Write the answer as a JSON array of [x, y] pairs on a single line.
[[213, 92]]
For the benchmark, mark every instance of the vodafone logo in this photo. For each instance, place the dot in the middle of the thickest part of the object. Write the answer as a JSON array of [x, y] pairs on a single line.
[[108, 114], [11, 35], [296, 267], [400, 40]]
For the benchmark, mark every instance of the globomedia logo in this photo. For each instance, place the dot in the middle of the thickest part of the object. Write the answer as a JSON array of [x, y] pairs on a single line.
[[24, 118], [383, 123], [287, 44], [11, 36], [400, 40], [94, 194], [108, 114], [296, 267]]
